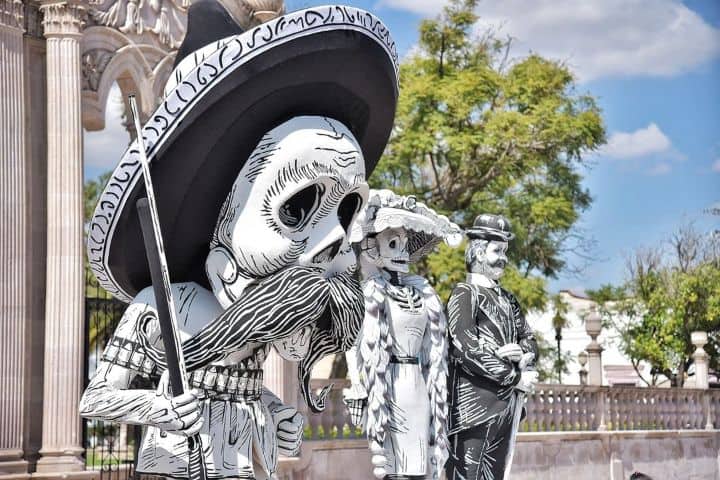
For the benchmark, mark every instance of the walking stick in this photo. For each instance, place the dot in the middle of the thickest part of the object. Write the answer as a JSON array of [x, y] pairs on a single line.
[[515, 425], [155, 251]]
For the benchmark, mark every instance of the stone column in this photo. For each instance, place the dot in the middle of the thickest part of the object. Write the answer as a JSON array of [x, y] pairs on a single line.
[[700, 359], [64, 356], [280, 377], [593, 327], [13, 239]]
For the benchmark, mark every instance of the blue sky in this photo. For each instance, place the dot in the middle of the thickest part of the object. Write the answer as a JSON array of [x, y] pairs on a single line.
[[654, 66]]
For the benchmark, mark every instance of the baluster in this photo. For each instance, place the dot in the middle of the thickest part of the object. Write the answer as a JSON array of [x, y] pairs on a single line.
[[586, 420], [339, 413], [675, 409], [541, 411], [647, 407], [614, 409], [530, 412], [555, 410], [601, 406]]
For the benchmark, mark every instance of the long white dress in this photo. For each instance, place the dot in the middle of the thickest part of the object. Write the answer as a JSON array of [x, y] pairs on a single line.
[[396, 343]]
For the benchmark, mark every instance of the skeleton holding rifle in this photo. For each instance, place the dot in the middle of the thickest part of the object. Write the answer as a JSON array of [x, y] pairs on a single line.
[[259, 155]]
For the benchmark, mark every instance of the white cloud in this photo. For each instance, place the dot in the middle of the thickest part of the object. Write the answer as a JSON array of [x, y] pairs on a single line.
[[640, 143], [660, 169], [104, 148], [716, 166], [598, 38]]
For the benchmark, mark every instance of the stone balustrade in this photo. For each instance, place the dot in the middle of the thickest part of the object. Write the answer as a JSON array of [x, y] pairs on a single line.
[[563, 408]]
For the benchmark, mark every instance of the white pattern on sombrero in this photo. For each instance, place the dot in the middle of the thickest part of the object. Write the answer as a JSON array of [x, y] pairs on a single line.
[[198, 74]]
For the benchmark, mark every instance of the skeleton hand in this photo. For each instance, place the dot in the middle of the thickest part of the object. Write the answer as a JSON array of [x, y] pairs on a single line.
[[357, 407], [289, 430], [180, 414], [510, 351], [528, 379], [526, 360]]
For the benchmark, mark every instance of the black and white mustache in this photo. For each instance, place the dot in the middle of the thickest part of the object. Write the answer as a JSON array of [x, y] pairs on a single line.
[[277, 307]]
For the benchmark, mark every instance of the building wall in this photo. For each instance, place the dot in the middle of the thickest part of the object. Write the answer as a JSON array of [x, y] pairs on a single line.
[[575, 339], [663, 455]]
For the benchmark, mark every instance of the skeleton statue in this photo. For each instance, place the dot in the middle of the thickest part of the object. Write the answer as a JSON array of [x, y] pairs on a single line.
[[492, 350], [399, 367], [274, 269]]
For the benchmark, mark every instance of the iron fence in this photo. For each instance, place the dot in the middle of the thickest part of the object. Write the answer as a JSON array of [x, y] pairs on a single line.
[[110, 448]]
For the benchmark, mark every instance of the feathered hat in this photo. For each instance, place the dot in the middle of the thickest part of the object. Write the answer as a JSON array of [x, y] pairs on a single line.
[[425, 228]]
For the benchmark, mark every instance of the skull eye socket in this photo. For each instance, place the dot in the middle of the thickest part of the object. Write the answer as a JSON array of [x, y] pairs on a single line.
[[298, 209], [348, 208], [393, 243]]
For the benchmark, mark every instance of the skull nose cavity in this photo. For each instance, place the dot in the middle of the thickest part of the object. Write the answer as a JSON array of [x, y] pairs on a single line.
[[328, 254]]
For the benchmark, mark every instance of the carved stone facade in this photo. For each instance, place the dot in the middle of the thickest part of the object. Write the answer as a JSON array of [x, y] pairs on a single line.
[[64, 292], [13, 241], [58, 60], [11, 14], [133, 43]]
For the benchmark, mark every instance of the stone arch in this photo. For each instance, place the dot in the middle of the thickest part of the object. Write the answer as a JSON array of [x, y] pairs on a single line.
[[135, 58]]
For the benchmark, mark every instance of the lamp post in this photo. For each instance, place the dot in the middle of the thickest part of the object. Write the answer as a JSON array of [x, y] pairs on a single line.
[[558, 363]]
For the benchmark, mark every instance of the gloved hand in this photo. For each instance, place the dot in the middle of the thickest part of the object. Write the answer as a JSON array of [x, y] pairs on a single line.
[[289, 430], [527, 382], [180, 414], [527, 359], [357, 407], [510, 351]]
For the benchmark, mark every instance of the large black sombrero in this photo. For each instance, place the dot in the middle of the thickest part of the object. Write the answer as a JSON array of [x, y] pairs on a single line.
[[335, 61]]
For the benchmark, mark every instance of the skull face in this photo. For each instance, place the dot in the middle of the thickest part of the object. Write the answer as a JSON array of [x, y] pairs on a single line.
[[293, 203], [392, 250]]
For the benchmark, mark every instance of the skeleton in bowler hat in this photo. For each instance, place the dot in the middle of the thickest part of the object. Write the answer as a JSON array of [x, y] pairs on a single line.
[[259, 153], [399, 368], [492, 350]]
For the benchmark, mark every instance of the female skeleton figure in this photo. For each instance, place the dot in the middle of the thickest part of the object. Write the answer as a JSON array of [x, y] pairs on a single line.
[[258, 175], [399, 373]]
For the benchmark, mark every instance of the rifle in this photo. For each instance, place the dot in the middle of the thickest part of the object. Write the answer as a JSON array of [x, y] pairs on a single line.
[[155, 251]]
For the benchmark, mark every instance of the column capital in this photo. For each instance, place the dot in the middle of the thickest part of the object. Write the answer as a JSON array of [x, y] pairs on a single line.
[[63, 18], [11, 14]]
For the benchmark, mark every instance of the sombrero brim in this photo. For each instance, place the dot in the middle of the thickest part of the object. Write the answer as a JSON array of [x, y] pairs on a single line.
[[338, 62]]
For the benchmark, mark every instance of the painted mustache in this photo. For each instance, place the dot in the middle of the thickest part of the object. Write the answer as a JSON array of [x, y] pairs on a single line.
[[278, 307]]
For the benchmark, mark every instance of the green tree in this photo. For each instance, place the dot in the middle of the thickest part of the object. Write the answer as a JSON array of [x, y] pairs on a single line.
[[91, 194], [477, 132], [672, 291], [99, 305]]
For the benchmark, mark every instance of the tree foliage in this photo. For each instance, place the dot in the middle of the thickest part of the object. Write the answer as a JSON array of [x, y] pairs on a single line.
[[672, 290], [477, 132], [92, 189]]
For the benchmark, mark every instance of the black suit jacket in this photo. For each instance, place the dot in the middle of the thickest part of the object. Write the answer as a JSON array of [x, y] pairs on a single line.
[[481, 320]]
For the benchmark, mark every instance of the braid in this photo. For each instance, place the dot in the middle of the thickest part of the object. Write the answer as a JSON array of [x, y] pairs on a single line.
[[374, 359], [436, 366]]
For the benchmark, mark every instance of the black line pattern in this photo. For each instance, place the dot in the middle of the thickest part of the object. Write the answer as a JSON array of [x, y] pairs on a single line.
[[183, 91], [482, 395]]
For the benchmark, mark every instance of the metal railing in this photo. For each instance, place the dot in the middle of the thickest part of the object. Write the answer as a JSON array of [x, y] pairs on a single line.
[[110, 448]]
